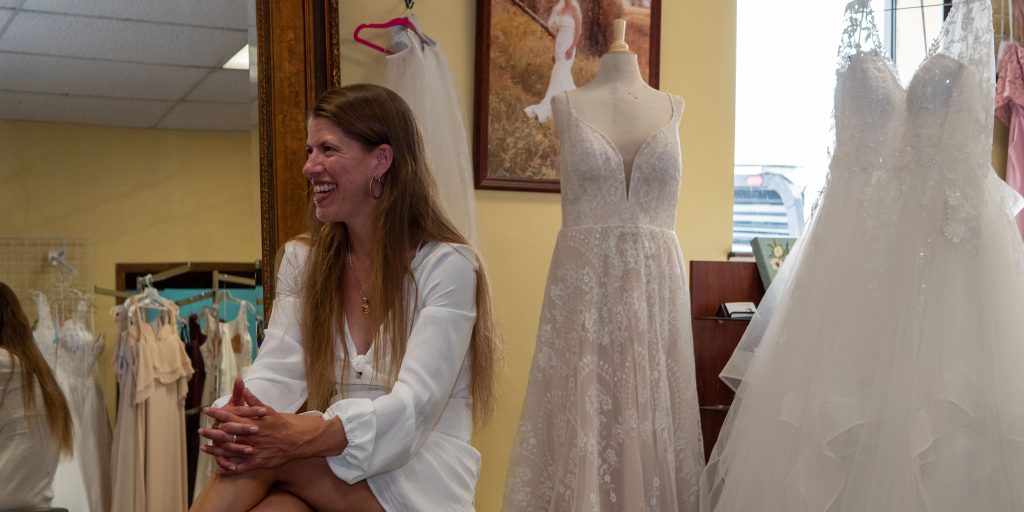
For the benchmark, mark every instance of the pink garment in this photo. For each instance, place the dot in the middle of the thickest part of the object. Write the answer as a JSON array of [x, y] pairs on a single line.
[[1010, 110]]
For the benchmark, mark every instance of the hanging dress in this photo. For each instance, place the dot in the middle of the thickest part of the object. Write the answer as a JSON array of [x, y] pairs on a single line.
[[82, 481], [227, 354], [150, 463], [419, 73], [1010, 110], [897, 387]]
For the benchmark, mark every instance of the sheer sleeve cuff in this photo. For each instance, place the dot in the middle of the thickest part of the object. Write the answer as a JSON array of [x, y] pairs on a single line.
[[360, 424]]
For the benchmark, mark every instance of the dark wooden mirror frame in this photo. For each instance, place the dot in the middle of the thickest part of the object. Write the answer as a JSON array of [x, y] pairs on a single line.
[[297, 52]]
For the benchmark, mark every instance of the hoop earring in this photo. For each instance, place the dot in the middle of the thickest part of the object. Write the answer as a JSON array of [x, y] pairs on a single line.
[[380, 183]]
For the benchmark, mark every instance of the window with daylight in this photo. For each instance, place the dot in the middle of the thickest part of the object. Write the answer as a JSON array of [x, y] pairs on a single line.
[[785, 79]]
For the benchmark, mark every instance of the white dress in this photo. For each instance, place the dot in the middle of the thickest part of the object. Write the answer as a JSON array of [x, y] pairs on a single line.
[[561, 73], [28, 452], [610, 420], [224, 364], [420, 75], [82, 481], [900, 390], [412, 444]]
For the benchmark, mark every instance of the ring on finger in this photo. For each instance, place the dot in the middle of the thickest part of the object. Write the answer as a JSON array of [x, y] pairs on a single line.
[[234, 438]]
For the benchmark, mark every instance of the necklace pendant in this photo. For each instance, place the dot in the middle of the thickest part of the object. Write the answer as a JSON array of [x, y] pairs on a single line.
[[366, 306]]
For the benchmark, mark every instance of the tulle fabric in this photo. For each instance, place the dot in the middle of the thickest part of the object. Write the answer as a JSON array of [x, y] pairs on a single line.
[[883, 373]]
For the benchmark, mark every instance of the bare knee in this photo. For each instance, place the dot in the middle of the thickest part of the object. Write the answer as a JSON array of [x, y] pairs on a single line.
[[279, 500]]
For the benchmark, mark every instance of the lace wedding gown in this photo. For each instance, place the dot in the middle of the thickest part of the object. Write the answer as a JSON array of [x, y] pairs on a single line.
[[561, 73], [610, 420], [82, 481], [884, 372]]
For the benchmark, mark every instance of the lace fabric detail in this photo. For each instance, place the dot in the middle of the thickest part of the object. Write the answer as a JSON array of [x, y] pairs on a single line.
[[860, 35], [951, 117], [610, 420]]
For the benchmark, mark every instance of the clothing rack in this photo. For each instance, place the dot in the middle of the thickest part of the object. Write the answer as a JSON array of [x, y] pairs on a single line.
[[148, 280], [145, 281], [195, 298], [220, 277]]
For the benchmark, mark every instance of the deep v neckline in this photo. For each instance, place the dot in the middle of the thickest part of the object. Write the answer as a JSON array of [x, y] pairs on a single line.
[[627, 181]]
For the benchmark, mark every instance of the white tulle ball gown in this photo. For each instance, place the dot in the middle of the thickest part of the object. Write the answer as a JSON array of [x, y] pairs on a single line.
[[883, 371]]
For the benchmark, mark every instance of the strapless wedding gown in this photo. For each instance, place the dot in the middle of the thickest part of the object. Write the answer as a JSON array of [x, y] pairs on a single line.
[[883, 372]]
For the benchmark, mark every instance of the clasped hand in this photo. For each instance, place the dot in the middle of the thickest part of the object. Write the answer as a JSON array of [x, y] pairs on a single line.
[[248, 434]]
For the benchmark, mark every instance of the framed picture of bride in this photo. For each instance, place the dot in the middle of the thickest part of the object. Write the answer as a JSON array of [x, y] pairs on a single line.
[[528, 51]]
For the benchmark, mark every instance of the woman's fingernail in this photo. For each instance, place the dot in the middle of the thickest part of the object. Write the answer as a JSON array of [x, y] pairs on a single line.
[[262, 411], [254, 429], [248, 449]]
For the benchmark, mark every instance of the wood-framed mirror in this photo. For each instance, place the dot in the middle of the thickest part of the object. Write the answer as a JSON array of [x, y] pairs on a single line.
[[297, 61]]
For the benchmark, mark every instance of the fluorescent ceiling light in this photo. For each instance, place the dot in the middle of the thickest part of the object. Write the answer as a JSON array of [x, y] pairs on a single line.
[[239, 60]]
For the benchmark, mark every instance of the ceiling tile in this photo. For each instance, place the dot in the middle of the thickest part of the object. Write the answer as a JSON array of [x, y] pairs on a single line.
[[209, 116], [13, 4], [78, 77], [224, 85], [132, 41], [204, 13], [74, 109], [5, 14]]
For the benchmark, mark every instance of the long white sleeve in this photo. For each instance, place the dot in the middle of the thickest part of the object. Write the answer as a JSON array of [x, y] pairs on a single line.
[[386, 432], [278, 376]]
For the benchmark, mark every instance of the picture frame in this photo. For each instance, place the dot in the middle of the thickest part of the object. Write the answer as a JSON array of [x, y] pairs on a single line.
[[518, 70], [770, 254]]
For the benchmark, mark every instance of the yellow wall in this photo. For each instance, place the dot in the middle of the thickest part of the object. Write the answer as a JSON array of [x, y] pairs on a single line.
[[139, 195], [517, 230]]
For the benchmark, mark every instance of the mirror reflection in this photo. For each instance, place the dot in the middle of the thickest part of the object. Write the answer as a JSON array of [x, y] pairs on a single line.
[[129, 193]]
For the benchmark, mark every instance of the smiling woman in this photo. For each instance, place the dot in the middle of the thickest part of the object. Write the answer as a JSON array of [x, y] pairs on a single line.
[[417, 343]]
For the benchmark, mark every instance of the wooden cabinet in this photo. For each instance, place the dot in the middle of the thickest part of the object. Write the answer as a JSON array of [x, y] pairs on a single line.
[[714, 339]]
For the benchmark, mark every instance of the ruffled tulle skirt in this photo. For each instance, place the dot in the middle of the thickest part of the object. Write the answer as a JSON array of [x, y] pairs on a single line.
[[887, 374]]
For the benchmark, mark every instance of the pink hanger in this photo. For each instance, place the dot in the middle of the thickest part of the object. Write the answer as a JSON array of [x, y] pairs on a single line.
[[402, 21]]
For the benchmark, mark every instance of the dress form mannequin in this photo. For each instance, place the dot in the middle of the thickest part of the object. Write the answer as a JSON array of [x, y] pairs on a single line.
[[617, 102], [610, 419]]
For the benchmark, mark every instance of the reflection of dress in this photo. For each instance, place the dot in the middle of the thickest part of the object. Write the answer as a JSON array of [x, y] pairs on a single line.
[[148, 457], [82, 480], [90, 464], [227, 354], [900, 391], [561, 73], [610, 421]]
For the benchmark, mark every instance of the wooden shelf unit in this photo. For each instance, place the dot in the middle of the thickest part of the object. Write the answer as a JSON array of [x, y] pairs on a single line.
[[713, 283]]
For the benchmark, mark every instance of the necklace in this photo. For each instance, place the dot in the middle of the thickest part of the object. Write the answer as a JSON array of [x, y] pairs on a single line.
[[366, 301]]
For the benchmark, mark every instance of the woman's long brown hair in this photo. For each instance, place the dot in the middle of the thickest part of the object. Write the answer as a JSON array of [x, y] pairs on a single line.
[[408, 213], [16, 338]]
